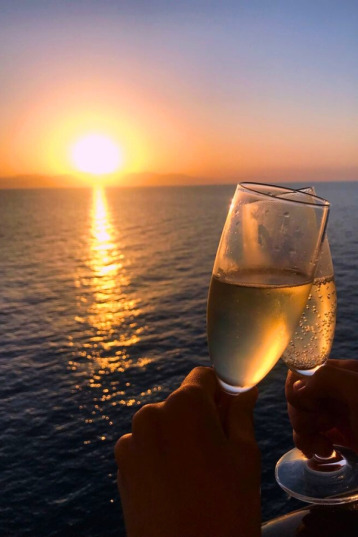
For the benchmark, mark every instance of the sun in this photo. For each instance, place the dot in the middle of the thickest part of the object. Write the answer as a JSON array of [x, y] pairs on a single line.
[[96, 154]]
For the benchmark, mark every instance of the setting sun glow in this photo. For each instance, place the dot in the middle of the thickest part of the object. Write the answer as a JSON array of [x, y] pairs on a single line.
[[96, 154]]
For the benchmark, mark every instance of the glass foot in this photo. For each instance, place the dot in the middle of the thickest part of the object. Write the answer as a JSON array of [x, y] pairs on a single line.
[[319, 480]]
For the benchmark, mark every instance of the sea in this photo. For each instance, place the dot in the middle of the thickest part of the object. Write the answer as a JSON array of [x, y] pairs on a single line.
[[103, 306]]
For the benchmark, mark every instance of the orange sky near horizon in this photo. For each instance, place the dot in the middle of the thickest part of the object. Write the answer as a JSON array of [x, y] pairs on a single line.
[[243, 93]]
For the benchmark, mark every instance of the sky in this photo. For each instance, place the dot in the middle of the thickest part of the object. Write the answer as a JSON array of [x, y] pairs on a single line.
[[217, 90]]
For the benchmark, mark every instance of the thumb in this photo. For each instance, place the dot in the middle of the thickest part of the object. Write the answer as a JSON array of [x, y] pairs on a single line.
[[239, 418], [241, 435]]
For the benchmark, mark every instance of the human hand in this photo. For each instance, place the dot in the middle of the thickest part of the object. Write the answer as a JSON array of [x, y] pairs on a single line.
[[191, 466], [323, 409]]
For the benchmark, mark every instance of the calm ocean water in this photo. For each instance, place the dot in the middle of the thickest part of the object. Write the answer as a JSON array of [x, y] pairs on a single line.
[[103, 297]]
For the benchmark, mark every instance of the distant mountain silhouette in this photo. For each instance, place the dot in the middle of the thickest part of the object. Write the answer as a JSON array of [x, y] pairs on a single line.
[[38, 181], [149, 179], [159, 179], [131, 179]]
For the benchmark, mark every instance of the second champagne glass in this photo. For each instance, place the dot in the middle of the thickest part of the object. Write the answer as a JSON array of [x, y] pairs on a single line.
[[312, 340], [262, 275], [321, 480]]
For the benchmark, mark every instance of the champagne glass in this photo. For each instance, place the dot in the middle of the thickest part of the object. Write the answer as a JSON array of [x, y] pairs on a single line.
[[321, 480], [262, 276], [312, 341]]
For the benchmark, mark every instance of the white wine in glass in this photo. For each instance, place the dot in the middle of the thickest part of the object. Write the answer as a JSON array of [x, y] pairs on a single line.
[[311, 344], [251, 316], [312, 341]]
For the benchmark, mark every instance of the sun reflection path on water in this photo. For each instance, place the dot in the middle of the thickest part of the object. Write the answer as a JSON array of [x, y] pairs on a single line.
[[110, 307], [107, 312]]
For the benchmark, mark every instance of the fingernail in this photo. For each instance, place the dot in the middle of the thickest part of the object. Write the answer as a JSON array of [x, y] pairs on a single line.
[[299, 385]]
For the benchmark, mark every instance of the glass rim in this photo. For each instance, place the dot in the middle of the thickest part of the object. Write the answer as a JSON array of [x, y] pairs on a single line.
[[250, 187]]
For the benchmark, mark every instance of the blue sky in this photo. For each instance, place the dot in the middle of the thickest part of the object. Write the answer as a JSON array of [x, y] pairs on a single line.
[[217, 89]]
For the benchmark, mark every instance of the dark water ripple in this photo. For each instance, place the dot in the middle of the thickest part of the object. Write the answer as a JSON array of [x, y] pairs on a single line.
[[102, 310]]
